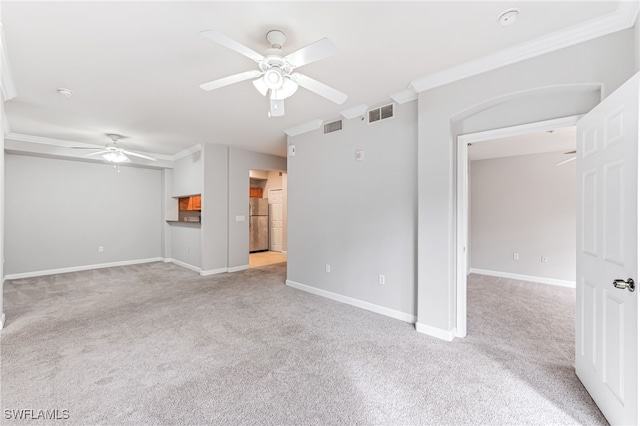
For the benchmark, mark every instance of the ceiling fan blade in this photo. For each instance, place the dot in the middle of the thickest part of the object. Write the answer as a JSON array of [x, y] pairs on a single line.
[[570, 152], [135, 154], [321, 49], [230, 43], [319, 88], [104, 151], [565, 161], [236, 78], [87, 147], [277, 107]]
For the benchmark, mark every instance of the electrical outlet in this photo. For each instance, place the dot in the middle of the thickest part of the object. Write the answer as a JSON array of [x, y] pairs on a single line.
[[327, 268], [516, 256], [544, 259], [100, 249], [381, 279]]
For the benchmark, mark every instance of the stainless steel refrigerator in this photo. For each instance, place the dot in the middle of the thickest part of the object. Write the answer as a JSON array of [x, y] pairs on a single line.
[[258, 224]]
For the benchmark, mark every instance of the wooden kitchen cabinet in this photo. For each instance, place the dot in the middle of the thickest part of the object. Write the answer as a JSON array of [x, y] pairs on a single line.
[[255, 192], [190, 203], [196, 202]]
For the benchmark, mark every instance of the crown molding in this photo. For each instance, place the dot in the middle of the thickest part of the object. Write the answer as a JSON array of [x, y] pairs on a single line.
[[49, 141], [622, 18], [69, 144], [185, 152], [304, 127], [6, 77], [5, 124]]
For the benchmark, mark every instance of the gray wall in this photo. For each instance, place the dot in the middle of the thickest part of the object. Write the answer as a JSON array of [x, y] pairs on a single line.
[[359, 217], [215, 207], [523, 205], [186, 244], [240, 162], [442, 115], [186, 178], [58, 212]]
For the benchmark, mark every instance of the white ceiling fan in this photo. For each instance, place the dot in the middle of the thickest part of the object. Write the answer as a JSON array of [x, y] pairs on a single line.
[[113, 153], [568, 159], [275, 74]]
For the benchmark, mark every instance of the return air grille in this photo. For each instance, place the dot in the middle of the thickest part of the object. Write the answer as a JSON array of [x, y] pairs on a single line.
[[333, 127], [381, 113]]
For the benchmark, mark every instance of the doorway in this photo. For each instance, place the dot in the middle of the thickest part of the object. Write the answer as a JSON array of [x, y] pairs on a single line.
[[463, 217], [267, 217]]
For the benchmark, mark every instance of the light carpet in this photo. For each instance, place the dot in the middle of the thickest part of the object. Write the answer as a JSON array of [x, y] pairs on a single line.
[[158, 344]]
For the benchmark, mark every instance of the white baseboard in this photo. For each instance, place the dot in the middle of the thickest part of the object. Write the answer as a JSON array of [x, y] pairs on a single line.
[[208, 272], [183, 264], [439, 333], [80, 268], [531, 278], [2, 318], [213, 272], [402, 316]]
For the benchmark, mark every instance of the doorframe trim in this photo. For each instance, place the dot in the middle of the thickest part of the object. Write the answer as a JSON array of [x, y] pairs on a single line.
[[462, 200]]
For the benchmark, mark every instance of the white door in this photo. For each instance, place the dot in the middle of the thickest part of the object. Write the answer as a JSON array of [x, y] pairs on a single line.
[[275, 201], [607, 250]]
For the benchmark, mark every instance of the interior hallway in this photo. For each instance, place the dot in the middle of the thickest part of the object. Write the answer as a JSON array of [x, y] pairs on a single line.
[[264, 258]]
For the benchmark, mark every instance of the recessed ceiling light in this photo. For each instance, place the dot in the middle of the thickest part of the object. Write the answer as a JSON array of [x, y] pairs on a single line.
[[509, 16], [65, 92]]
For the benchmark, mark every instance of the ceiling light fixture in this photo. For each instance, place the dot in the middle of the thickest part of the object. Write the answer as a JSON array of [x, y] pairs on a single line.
[[273, 78], [509, 16], [116, 157], [65, 92]]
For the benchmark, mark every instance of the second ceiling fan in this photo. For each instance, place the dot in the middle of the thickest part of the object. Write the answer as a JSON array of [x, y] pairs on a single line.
[[275, 74]]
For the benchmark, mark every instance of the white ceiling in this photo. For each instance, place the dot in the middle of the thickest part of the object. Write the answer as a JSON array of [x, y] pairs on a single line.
[[563, 139], [135, 67]]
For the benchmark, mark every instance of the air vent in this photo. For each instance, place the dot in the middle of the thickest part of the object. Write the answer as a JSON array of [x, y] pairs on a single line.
[[381, 113], [333, 127]]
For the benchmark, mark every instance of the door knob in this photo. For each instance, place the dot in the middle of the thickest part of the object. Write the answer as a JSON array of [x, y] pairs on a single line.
[[622, 284]]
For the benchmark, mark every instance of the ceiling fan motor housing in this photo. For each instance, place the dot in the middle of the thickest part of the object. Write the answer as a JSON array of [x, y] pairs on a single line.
[[276, 38]]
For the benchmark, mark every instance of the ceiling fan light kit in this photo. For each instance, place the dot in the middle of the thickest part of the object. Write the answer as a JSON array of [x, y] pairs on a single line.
[[275, 75], [113, 153], [116, 157]]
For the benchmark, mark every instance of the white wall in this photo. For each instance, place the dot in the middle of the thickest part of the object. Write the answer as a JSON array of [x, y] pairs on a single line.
[[278, 180], [59, 211], [2, 180], [240, 163], [523, 205], [359, 217], [443, 112]]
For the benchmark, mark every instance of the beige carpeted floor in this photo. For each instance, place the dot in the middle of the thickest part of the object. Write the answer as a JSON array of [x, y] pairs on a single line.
[[158, 344]]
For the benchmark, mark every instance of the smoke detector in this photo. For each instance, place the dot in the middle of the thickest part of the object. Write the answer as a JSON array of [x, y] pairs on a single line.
[[65, 92], [509, 16]]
